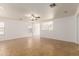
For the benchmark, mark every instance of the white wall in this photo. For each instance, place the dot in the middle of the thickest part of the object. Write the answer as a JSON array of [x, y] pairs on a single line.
[[78, 29], [15, 29], [63, 29]]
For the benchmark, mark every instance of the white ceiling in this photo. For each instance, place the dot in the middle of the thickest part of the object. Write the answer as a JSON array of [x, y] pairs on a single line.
[[19, 10]]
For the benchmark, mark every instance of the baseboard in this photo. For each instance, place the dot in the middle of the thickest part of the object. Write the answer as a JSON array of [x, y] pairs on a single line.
[[60, 40], [5, 39]]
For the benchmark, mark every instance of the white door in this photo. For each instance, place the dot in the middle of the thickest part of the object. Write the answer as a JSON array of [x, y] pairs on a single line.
[[36, 29]]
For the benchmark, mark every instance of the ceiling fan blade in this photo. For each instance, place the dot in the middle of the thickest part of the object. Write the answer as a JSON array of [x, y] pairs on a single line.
[[38, 17]]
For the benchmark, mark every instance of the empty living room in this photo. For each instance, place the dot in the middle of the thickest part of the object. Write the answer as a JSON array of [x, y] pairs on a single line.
[[39, 29]]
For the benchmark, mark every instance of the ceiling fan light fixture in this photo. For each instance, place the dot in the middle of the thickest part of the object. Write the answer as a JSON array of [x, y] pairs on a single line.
[[33, 16]]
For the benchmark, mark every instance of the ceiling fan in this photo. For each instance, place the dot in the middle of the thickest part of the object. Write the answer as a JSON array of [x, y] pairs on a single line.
[[35, 17]]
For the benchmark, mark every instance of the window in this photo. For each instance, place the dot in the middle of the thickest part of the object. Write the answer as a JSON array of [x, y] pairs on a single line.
[[47, 26], [1, 28]]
